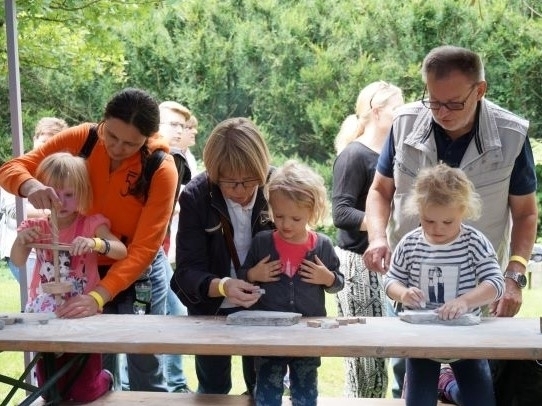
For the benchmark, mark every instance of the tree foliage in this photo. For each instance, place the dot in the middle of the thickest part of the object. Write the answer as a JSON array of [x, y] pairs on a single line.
[[295, 67], [70, 59]]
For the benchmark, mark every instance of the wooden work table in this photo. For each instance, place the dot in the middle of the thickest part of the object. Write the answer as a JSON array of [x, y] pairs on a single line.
[[495, 338]]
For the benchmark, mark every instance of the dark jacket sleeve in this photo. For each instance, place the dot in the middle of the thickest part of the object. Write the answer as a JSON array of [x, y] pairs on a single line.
[[194, 268], [331, 261]]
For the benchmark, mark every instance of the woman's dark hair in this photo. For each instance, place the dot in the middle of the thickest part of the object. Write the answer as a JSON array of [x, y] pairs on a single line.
[[140, 109]]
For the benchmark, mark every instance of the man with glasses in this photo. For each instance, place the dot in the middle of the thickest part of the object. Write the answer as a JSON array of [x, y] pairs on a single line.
[[455, 124]]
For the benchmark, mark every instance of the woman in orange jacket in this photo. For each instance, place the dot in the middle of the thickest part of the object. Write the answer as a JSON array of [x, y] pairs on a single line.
[[119, 167]]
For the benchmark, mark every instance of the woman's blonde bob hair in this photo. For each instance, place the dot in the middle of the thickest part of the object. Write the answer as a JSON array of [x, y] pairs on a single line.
[[63, 170], [237, 148]]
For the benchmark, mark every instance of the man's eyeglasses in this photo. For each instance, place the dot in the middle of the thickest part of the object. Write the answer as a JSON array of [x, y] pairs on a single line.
[[436, 105], [175, 124], [232, 185]]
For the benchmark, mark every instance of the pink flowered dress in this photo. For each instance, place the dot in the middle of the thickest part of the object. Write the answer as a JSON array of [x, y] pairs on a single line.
[[80, 270]]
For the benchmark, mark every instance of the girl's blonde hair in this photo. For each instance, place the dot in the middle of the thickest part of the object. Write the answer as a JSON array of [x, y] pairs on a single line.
[[374, 95], [236, 147], [64, 170], [302, 185], [442, 185]]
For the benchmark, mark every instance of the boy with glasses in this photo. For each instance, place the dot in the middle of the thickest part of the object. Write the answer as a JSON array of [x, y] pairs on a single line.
[[173, 122]]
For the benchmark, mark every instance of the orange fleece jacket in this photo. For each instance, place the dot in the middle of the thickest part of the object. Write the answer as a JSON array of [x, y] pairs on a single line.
[[141, 226]]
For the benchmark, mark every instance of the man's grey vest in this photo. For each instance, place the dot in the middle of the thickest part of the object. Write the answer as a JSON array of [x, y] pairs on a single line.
[[488, 162]]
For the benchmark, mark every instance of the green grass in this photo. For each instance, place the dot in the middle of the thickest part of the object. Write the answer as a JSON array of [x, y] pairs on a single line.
[[330, 374]]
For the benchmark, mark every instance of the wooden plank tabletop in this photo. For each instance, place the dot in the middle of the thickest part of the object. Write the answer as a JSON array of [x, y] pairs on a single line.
[[126, 398], [504, 338]]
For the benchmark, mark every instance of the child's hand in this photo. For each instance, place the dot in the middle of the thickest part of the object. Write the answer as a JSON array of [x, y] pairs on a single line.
[[265, 271], [28, 235], [316, 272], [413, 298], [82, 245], [453, 309]]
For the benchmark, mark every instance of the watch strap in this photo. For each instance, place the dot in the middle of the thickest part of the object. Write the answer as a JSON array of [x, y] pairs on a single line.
[[519, 278]]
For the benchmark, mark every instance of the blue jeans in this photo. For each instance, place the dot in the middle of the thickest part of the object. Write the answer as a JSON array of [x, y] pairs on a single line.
[[173, 363], [398, 365], [473, 377], [453, 393], [145, 371], [270, 380]]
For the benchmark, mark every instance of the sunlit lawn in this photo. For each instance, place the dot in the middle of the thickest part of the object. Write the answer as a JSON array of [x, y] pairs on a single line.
[[330, 374]]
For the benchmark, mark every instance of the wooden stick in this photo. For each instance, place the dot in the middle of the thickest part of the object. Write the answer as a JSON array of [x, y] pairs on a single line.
[[56, 287], [61, 247], [54, 229]]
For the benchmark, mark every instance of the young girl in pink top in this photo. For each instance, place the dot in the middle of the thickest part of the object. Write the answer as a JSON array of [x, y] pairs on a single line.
[[296, 266], [87, 237]]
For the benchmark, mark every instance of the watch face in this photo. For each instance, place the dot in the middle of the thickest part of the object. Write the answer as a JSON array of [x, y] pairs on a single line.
[[521, 280]]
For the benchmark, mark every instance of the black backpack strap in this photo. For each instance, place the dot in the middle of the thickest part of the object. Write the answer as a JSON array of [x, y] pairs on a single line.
[[91, 140], [154, 160]]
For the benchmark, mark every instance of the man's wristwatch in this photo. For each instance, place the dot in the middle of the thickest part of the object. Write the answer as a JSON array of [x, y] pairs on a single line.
[[518, 277]]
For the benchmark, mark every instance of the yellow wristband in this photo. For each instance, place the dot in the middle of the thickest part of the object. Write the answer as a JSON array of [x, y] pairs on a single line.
[[99, 299], [99, 245], [221, 286], [519, 259]]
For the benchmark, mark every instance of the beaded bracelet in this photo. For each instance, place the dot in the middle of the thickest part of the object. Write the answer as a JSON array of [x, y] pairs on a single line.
[[107, 246]]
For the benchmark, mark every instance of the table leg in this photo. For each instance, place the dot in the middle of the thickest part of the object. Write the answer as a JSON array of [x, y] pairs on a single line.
[[49, 389], [19, 383]]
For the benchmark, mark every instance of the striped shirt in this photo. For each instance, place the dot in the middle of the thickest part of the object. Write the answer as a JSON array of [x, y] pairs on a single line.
[[444, 272]]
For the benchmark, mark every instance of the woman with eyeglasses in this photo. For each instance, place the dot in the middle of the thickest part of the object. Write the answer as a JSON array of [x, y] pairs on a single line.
[[358, 147], [221, 210]]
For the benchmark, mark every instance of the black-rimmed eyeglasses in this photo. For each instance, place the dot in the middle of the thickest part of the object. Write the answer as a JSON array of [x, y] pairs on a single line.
[[436, 105], [232, 185]]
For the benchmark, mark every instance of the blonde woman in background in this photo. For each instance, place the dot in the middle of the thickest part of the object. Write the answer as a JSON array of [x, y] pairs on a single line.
[[358, 146]]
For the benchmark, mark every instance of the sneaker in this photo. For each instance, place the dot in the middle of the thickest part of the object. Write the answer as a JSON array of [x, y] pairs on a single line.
[[446, 376], [111, 378], [183, 389]]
